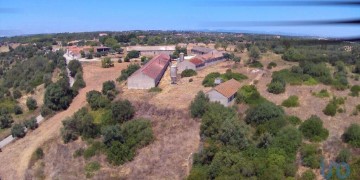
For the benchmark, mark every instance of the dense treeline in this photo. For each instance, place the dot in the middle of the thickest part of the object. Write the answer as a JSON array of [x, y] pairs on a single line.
[[116, 133]]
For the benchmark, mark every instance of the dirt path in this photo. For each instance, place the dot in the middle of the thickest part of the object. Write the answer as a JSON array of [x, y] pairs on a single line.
[[15, 157]]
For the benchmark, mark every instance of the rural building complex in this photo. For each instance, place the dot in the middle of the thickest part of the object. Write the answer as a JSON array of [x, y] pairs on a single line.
[[152, 50]]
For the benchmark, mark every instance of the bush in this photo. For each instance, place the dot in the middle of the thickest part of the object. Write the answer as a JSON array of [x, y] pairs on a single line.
[[271, 65], [17, 110], [294, 120], [322, 94], [332, 107], [209, 80], [119, 153], [31, 104], [188, 73], [17, 94], [46, 111], [131, 55], [199, 105], [352, 135], [106, 63], [91, 168], [39, 153], [292, 101], [58, 96], [155, 89], [18, 131], [355, 90], [125, 73], [308, 175], [122, 111], [249, 95], [313, 130], [262, 113], [310, 155], [5, 120], [108, 86], [343, 156], [276, 87], [96, 100], [31, 123]]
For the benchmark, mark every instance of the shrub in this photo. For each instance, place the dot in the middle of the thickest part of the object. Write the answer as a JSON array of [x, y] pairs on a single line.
[[18, 131], [91, 168], [31, 104], [46, 111], [292, 101], [199, 105], [119, 153], [155, 89], [17, 94], [93, 150], [308, 175], [310, 155], [31, 123], [122, 111], [125, 73], [209, 80], [131, 55], [276, 87], [256, 64], [294, 120], [5, 120], [343, 156], [17, 110], [352, 135], [333, 105], [96, 100], [249, 95], [355, 90], [108, 86], [322, 94], [263, 112], [313, 130], [191, 80], [188, 73], [271, 65], [106, 63], [39, 153]]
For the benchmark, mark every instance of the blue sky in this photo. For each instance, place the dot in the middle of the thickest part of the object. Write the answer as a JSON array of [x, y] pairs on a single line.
[[50, 16]]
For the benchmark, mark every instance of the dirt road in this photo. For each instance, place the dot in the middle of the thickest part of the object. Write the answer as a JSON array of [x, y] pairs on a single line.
[[14, 158]]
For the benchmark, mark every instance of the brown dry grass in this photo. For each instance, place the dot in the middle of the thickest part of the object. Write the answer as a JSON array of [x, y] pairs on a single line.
[[15, 157]]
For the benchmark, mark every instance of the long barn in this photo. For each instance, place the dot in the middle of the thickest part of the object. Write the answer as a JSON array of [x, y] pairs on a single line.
[[150, 74]]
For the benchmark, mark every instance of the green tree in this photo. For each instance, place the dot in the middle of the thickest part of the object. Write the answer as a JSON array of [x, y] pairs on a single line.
[[122, 111], [96, 100], [254, 53], [119, 153], [263, 112], [31, 103], [108, 86], [313, 129], [17, 110], [31, 123], [18, 130], [74, 67], [112, 133], [188, 73], [199, 105], [308, 175], [58, 96], [17, 94], [131, 55], [5, 120]]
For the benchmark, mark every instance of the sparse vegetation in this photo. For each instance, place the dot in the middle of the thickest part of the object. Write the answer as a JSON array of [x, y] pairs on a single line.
[[106, 63], [310, 155], [155, 90], [333, 106], [322, 94], [91, 168]]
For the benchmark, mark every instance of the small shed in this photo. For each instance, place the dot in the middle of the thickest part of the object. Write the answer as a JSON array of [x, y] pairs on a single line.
[[224, 93]]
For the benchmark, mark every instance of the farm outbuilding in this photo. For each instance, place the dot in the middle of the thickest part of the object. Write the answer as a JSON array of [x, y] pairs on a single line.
[[200, 50], [150, 74], [201, 61], [224, 93], [152, 50]]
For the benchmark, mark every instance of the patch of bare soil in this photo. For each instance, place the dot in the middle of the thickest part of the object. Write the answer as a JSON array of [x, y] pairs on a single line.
[[14, 158]]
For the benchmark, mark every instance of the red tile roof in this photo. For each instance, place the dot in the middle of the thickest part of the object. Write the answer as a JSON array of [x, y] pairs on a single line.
[[196, 61], [155, 66], [228, 88]]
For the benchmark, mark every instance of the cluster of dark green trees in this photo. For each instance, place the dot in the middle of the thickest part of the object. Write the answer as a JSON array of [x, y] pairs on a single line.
[[117, 134], [262, 145], [125, 73]]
